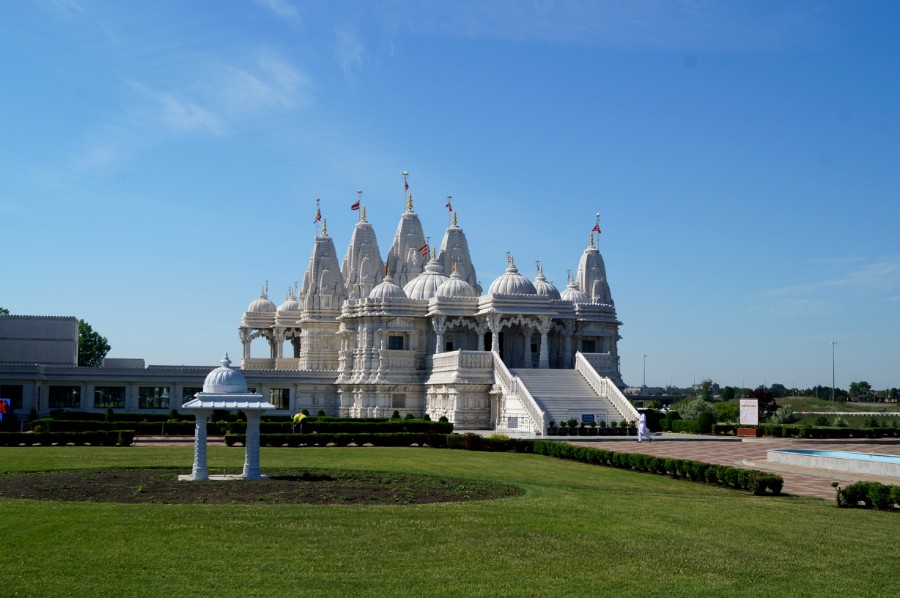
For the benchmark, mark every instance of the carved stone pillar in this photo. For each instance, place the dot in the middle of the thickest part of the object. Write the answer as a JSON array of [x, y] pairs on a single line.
[[439, 323], [569, 331], [493, 324], [544, 358], [251, 458], [527, 332], [245, 335], [199, 471], [278, 339]]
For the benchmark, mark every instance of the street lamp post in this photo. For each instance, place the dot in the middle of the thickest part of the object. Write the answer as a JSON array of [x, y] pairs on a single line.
[[833, 343], [644, 387]]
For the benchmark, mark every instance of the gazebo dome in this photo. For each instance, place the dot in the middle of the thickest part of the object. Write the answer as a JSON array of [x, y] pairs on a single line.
[[573, 294], [290, 303], [225, 380], [455, 286], [387, 289], [261, 305], [512, 283], [547, 289], [426, 284]]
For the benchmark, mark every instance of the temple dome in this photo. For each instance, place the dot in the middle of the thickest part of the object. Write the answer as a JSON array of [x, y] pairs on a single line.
[[573, 294], [387, 289], [261, 305], [426, 284], [225, 380], [512, 283], [547, 289], [455, 286]]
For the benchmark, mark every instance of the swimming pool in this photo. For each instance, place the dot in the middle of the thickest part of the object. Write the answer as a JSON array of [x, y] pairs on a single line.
[[870, 463]]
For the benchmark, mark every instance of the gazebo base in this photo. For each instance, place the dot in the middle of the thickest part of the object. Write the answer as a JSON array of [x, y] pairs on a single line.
[[221, 478]]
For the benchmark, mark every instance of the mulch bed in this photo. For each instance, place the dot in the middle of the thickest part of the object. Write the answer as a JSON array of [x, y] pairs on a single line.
[[161, 486]]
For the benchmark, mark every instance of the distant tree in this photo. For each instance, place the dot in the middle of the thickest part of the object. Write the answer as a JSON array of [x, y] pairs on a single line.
[[767, 404], [706, 390], [4, 311], [92, 347], [893, 394], [778, 390], [858, 389], [728, 393]]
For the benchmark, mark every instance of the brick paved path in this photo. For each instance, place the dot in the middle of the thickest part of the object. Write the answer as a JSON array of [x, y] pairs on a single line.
[[752, 453]]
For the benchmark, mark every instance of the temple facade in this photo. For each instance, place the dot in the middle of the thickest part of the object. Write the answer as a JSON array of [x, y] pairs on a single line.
[[412, 332]]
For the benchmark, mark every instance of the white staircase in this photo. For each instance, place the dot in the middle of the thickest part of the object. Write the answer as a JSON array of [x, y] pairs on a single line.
[[565, 394]]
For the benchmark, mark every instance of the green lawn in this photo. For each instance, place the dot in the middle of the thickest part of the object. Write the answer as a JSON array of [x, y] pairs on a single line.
[[580, 530]]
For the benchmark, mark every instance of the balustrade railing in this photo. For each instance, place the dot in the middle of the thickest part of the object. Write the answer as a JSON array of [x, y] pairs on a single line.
[[512, 387], [604, 387]]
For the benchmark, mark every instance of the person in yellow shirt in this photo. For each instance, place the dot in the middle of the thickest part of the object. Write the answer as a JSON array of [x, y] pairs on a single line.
[[298, 421]]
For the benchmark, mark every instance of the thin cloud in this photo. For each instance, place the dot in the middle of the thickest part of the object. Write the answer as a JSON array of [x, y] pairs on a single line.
[[877, 279], [281, 8], [349, 50]]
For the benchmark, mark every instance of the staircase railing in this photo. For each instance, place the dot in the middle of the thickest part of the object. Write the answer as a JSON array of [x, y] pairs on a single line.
[[512, 386], [604, 387]]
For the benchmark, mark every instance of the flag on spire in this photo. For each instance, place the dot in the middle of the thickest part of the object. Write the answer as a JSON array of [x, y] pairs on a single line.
[[318, 215], [405, 186], [596, 229], [424, 249], [356, 205], [449, 206]]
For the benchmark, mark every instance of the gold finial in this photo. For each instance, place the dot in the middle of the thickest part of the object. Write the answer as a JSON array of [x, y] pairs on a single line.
[[454, 217], [592, 239], [324, 227], [364, 214], [455, 266], [434, 253], [386, 271], [409, 203]]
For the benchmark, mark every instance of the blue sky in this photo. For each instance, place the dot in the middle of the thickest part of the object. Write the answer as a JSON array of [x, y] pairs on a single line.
[[159, 161]]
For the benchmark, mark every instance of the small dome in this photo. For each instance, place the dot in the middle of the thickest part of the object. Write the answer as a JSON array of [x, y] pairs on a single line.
[[387, 289], [512, 283], [426, 284], [573, 294], [261, 305], [290, 303], [225, 380], [547, 289], [455, 286]]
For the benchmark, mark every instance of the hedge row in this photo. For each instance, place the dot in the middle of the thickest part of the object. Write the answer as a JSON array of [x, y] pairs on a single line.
[[95, 438], [803, 431], [868, 495], [175, 428], [344, 426], [686, 426], [757, 482]]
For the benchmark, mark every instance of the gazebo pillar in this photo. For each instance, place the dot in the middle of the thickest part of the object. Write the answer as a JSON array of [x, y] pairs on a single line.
[[251, 459], [199, 471]]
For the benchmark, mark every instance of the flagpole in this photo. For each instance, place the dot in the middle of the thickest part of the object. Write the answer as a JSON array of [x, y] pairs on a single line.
[[359, 201], [405, 189]]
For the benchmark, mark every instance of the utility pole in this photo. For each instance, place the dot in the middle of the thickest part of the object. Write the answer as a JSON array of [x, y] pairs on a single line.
[[833, 343]]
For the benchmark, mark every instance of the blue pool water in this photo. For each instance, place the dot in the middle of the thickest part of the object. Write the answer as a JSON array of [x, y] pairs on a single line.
[[845, 455]]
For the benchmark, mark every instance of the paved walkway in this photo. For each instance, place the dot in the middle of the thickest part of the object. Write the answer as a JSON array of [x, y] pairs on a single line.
[[752, 453]]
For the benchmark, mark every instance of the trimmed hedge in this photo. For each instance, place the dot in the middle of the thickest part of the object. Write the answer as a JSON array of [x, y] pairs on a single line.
[[687, 426], [95, 438], [173, 428], [804, 431], [871, 494], [757, 482]]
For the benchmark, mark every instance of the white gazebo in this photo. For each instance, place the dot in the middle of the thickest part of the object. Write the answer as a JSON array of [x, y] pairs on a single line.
[[226, 388]]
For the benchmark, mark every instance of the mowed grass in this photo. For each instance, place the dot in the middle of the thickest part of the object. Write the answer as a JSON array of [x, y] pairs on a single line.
[[580, 530]]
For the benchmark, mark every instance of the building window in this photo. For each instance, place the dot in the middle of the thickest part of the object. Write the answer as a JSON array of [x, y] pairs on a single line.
[[395, 343], [280, 397], [188, 392], [109, 397], [588, 346], [153, 397], [13, 392], [398, 401], [64, 397], [448, 346]]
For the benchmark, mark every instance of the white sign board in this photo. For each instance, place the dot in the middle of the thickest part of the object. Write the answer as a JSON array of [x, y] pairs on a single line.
[[749, 412]]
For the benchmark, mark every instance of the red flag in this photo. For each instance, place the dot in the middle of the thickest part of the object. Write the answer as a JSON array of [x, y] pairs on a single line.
[[448, 206], [318, 215], [405, 186], [355, 206], [424, 249], [596, 229]]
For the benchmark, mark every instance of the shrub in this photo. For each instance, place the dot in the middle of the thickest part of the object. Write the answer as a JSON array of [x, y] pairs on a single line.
[[705, 422], [410, 416], [840, 422], [670, 417], [784, 415], [426, 417], [395, 415], [693, 408], [443, 419], [821, 421], [685, 426]]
